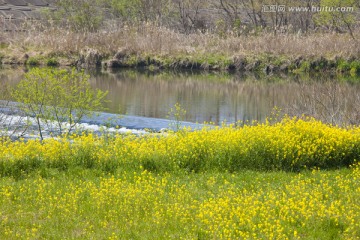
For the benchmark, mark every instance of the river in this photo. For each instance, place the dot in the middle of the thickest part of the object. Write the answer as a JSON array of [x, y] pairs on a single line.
[[218, 97]]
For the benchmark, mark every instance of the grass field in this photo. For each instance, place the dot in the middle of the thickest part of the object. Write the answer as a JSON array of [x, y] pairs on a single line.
[[87, 204], [296, 179]]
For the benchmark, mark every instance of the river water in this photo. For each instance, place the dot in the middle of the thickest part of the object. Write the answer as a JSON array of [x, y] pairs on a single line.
[[218, 97]]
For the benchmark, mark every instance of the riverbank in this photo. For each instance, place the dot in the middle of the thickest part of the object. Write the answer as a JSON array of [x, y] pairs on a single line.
[[290, 145], [156, 48], [214, 183]]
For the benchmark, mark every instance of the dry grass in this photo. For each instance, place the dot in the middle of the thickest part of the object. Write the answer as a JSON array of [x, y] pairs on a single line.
[[161, 41]]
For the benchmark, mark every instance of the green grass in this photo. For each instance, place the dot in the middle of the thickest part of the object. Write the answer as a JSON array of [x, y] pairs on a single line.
[[88, 204]]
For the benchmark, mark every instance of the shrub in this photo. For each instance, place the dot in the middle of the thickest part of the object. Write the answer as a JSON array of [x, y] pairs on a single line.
[[32, 61], [52, 62]]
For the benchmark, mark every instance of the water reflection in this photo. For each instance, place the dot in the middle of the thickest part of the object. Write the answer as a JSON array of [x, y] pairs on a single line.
[[210, 97]]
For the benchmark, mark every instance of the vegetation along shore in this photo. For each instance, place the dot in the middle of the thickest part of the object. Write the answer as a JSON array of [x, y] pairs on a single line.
[[209, 35], [158, 48]]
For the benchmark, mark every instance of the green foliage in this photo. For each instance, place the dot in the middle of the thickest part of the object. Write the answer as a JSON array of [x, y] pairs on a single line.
[[33, 61], [177, 114], [319, 65], [52, 62], [339, 16], [343, 65], [355, 68], [57, 96], [3, 45], [351, 67], [140, 10], [304, 67], [189, 16], [124, 8], [80, 15]]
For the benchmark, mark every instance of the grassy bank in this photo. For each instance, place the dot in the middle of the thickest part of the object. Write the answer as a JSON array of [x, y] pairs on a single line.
[[226, 183], [291, 145], [156, 48]]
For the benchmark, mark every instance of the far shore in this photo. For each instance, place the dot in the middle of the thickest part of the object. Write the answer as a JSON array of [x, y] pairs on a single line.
[[157, 48]]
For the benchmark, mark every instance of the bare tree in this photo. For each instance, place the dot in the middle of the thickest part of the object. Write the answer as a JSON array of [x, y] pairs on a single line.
[[329, 102], [190, 17]]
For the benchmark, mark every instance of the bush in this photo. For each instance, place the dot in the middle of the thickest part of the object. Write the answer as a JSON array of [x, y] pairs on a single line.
[[52, 62], [355, 68], [32, 61]]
